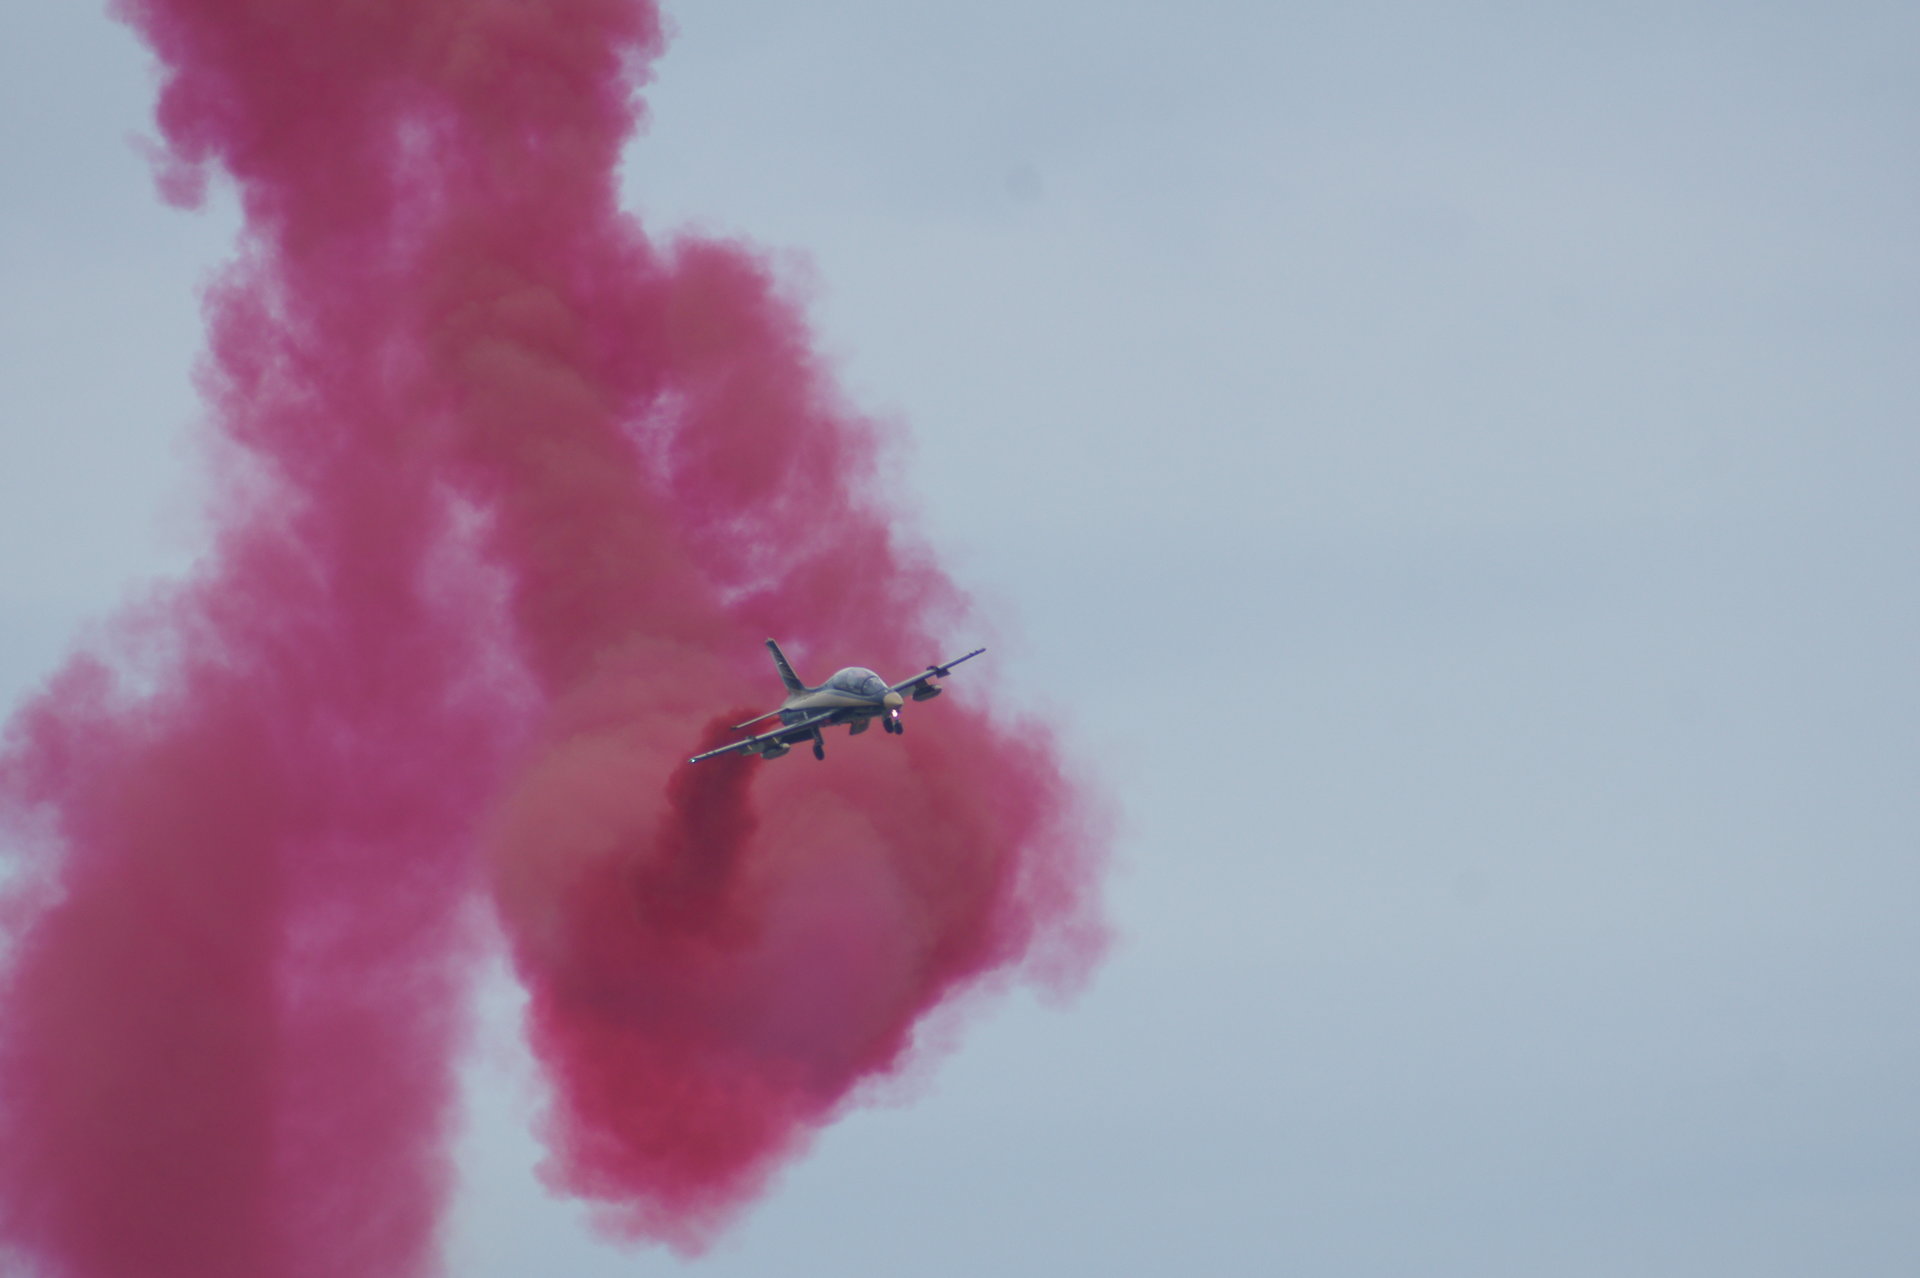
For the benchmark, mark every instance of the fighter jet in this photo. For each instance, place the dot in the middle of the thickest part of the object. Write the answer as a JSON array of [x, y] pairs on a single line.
[[855, 696]]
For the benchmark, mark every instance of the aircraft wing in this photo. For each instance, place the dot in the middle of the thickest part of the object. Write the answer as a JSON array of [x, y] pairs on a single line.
[[784, 735], [926, 677]]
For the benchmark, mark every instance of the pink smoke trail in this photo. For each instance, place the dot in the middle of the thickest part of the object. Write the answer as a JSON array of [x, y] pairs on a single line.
[[509, 496]]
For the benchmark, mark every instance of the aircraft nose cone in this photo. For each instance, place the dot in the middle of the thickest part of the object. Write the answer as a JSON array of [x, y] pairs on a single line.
[[893, 701]]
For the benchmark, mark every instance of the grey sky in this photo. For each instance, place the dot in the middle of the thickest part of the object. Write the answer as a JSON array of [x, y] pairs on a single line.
[[1453, 472]]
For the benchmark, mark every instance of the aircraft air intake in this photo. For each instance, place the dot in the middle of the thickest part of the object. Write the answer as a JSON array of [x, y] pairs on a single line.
[[502, 507]]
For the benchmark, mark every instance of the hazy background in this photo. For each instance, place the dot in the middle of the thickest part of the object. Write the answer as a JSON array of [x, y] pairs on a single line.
[[1451, 471]]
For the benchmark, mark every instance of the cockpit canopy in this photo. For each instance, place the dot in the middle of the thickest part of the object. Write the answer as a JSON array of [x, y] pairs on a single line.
[[859, 681]]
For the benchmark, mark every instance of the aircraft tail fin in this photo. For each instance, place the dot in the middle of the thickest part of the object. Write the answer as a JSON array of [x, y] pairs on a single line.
[[786, 671]]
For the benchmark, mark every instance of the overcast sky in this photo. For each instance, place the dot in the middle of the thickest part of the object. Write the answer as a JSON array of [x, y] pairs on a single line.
[[1453, 473]]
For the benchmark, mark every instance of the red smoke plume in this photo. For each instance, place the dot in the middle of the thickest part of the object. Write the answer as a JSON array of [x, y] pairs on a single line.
[[510, 494]]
